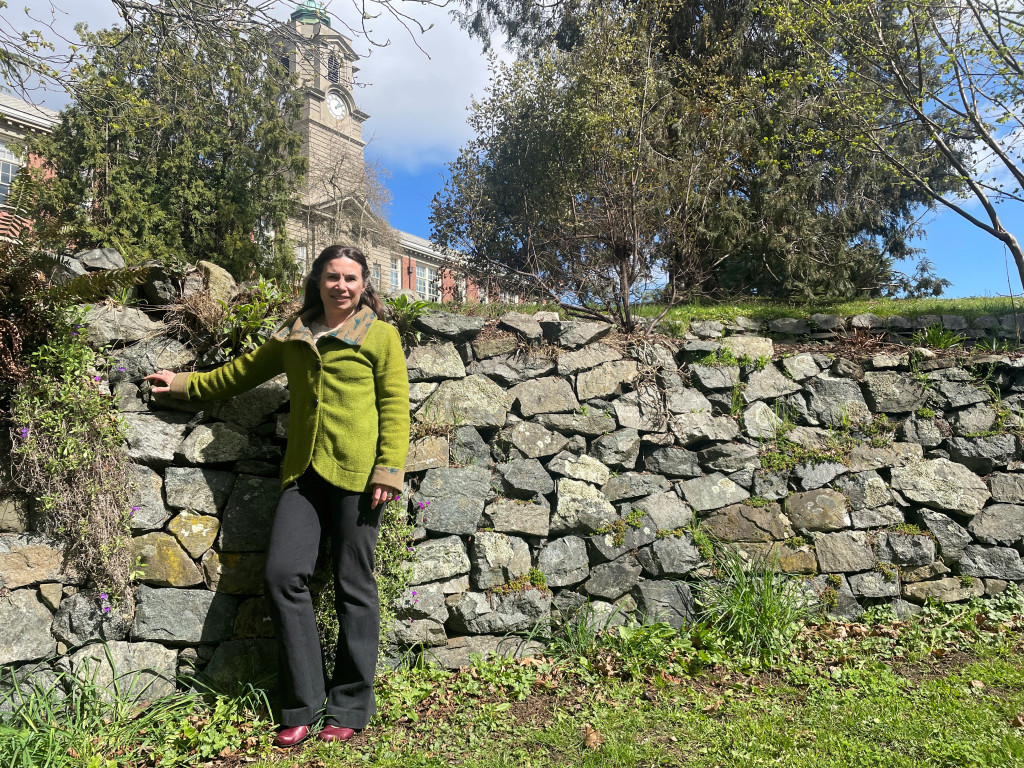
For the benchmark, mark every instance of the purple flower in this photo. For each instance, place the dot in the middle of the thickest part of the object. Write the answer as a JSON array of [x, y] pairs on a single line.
[[121, 369], [97, 378], [104, 596], [74, 333], [23, 432], [414, 593], [106, 609]]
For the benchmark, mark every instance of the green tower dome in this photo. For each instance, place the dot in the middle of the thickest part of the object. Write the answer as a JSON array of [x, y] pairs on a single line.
[[311, 12]]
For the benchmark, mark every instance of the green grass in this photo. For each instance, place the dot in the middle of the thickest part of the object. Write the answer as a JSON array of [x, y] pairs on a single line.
[[755, 309], [928, 716], [944, 689], [771, 310], [99, 727]]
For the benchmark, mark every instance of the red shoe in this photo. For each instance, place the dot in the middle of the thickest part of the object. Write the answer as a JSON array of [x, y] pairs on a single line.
[[336, 733], [289, 737]]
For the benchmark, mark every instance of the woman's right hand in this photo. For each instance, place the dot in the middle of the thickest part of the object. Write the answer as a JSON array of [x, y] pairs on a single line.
[[164, 377]]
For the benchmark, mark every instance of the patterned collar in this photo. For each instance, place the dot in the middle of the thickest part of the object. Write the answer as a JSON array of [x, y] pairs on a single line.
[[353, 331]]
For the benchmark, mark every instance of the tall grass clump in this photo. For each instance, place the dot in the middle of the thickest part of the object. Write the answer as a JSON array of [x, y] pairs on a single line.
[[757, 610], [69, 721]]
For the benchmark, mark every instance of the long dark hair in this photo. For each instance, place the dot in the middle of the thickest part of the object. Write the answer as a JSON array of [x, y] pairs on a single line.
[[312, 299]]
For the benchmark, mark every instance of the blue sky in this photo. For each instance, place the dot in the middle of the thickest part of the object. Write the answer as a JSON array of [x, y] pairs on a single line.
[[418, 100]]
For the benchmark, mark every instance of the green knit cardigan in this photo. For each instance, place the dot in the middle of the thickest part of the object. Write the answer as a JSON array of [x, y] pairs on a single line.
[[349, 398]]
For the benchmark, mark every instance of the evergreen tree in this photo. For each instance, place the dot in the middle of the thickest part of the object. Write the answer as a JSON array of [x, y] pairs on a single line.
[[175, 149]]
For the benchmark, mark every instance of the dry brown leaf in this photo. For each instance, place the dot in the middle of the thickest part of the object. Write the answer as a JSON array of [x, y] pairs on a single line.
[[714, 706], [1018, 720], [592, 738], [977, 684]]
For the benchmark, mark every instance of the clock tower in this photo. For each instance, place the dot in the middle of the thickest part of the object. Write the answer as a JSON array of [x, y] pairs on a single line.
[[331, 127]]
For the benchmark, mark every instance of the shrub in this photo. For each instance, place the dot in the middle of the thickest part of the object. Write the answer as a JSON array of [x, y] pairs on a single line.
[[103, 726], [938, 337], [68, 452]]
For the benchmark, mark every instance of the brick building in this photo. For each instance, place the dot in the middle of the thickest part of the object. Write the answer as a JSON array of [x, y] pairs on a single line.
[[18, 119]]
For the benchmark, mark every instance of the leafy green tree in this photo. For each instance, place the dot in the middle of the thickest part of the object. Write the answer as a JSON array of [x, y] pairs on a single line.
[[33, 50], [955, 71], [799, 211], [175, 150], [793, 210], [581, 182]]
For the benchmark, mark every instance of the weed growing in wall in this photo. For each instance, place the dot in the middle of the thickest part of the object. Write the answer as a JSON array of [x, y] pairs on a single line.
[[757, 610], [404, 313], [68, 453]]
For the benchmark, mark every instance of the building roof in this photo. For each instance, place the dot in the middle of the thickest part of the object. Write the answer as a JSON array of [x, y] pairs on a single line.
[[420, 246], [30, 115], [311, 12]]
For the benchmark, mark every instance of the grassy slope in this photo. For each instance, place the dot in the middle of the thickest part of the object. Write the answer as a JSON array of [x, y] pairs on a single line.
[[765, 310], [957, 716], [769, 310]]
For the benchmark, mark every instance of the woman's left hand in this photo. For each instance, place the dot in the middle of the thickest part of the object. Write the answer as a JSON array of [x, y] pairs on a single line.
[[380, 494]]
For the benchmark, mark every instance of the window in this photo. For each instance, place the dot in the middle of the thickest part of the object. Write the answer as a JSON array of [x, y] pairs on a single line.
[[426, 282], [300, 255], [375, 276], [286, 63], [395, 277], [334, 69], [9, 166]]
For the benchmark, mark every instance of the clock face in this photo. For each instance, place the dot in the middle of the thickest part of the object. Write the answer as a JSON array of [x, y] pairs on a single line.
[[337, 105]]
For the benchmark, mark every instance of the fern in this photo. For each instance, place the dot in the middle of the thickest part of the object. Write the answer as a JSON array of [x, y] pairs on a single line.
[[94, 285]]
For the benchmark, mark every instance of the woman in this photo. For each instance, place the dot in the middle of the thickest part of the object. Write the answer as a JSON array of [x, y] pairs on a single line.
[[348, 436]]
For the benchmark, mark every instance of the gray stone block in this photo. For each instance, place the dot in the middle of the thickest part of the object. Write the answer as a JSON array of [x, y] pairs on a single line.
[[999, 524], [670, 557], [819, 510], [564, 561], [434, 362], [179, 616], [22, 609], [941, 484], [992, 563], [249, 514], [201, 490], [904, 549], [845, 552], [712, 492], [667, 601], [439, 559], [84, 617], [612, 580]]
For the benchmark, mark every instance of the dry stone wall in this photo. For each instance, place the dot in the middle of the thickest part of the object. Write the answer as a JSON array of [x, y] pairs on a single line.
[[555, 447]]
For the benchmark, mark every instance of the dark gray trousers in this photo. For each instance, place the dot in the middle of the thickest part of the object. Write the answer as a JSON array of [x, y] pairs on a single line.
[[310, 509]]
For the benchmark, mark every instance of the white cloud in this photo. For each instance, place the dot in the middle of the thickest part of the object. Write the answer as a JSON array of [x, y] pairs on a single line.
[[418, 105]]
